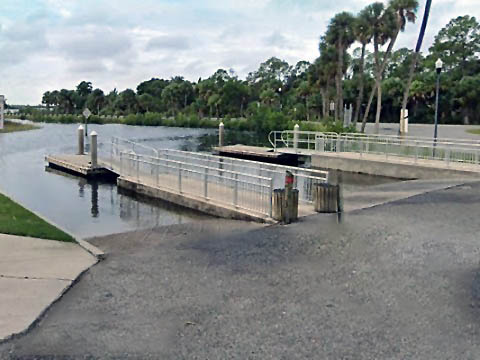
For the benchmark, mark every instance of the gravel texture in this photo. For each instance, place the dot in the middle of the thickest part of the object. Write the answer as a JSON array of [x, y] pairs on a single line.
[[396, 281]]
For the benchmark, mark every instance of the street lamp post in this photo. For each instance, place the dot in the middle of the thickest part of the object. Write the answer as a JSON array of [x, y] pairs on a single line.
[[438, 67], [280, 92]]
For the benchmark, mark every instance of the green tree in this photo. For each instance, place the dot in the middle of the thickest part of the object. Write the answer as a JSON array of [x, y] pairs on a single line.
[[416, 58], [340, 34], [96, 100], [363, 34]]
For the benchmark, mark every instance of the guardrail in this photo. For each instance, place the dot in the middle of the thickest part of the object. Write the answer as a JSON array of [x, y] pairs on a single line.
[[415, 148], [244, 191], [304, 178]]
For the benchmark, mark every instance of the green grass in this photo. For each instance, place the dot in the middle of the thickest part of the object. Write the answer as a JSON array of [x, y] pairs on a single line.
[[16, 220], [10, 126], [474, 131]]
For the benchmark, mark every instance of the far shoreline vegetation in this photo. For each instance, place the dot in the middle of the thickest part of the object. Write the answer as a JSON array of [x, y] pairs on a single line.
[[10, 126], [376, 85]]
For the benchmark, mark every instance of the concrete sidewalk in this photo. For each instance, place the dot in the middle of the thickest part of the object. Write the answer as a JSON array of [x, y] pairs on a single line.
[[33, 274]]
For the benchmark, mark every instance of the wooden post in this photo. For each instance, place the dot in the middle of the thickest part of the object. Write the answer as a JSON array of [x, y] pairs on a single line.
[[294, 205], [326, 198], [289, 180], [278, 201]]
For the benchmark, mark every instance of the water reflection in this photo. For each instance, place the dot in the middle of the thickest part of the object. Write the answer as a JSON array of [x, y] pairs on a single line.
[[86, 208], [95, 211]]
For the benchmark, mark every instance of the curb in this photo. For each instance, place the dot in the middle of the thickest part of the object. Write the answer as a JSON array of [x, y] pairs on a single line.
[[91, 249]]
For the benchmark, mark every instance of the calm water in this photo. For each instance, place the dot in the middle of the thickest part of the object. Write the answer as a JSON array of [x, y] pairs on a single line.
[[91, 208], [82, 207]]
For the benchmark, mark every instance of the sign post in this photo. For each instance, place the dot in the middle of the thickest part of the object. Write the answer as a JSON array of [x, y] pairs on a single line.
[[87, 114], [2, 111]]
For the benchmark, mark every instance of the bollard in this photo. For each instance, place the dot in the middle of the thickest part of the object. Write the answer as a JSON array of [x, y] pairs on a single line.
[[81, 141], [221, 134], [93, 148], [278, 201], [289, 180], [296, 129], [327, 198]]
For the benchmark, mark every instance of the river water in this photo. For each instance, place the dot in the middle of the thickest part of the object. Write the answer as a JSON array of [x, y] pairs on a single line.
[[92, 208], [87, 208]]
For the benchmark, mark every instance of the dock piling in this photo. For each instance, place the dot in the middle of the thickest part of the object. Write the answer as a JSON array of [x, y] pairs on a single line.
[[93, 149], [81, 141]]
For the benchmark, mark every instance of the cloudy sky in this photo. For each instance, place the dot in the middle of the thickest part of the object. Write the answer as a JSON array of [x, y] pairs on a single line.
[[54, 44]]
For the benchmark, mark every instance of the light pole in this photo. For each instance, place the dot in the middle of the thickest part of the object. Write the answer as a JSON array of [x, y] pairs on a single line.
[[332, 107], [438, 67], [280, 92]]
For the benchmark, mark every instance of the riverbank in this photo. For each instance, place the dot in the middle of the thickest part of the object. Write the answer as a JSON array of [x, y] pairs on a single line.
[[11, 126], [16, 220], [263, 121]]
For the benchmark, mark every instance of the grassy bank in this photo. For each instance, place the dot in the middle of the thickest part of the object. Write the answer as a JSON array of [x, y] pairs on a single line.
[[16, 220], [474, 131], [11, 126]]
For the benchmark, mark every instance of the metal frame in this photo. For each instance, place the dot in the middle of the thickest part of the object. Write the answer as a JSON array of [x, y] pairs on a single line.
[[415, 148]]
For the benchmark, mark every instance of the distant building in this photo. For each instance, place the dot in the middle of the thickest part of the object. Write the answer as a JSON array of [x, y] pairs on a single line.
[[12, 111]]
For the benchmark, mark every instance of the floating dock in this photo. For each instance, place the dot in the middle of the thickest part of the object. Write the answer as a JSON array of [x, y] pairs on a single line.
[[257, 153], [78, 165]]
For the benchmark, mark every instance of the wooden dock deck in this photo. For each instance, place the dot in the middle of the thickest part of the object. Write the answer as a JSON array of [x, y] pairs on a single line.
[[258, 153], [78, 165]]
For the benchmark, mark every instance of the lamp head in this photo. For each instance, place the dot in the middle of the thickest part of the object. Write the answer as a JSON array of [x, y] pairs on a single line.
[[439, 65]]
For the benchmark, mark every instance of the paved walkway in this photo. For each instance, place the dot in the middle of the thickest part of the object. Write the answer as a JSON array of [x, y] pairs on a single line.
[[33, 274]]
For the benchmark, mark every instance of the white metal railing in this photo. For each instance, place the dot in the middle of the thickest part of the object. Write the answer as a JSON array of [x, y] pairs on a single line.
[[304, 178], [244, 191], [414, 148]]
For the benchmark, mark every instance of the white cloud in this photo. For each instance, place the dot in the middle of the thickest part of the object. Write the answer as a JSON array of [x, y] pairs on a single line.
[[119, 43]]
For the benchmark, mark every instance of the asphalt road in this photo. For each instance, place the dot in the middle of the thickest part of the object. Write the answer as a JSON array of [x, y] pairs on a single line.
[[397, 281]]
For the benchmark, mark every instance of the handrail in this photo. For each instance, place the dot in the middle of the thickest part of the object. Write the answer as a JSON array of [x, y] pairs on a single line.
[[247, 163], [194, 165]]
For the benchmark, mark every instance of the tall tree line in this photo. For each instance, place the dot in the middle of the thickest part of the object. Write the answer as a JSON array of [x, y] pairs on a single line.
[[357, 66]]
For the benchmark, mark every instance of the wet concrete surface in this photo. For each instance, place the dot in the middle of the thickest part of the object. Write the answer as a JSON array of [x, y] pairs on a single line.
[[396, 281]]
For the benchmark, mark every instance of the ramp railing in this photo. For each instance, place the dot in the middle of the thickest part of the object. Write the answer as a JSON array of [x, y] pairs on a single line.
[[414, 148], [305, 179], [230, 188]]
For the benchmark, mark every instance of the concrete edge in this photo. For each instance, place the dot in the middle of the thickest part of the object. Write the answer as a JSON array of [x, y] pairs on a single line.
[[210, 208], [91, 249], [47, 308]]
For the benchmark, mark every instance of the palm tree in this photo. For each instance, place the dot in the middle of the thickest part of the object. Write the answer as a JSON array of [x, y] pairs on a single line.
[[416, 56], [363, 34], [340, 34], [387, 24]]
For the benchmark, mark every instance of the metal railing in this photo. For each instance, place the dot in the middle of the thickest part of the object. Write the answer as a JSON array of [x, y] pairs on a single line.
[[244, 191], [414, 148], [304, 178]]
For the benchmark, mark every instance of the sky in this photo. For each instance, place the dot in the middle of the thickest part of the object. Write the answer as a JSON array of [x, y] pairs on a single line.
[[55, 44]]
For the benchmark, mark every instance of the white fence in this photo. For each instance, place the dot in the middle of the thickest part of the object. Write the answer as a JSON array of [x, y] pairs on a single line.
[[244, 191], [304, 178], [415, 148]]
